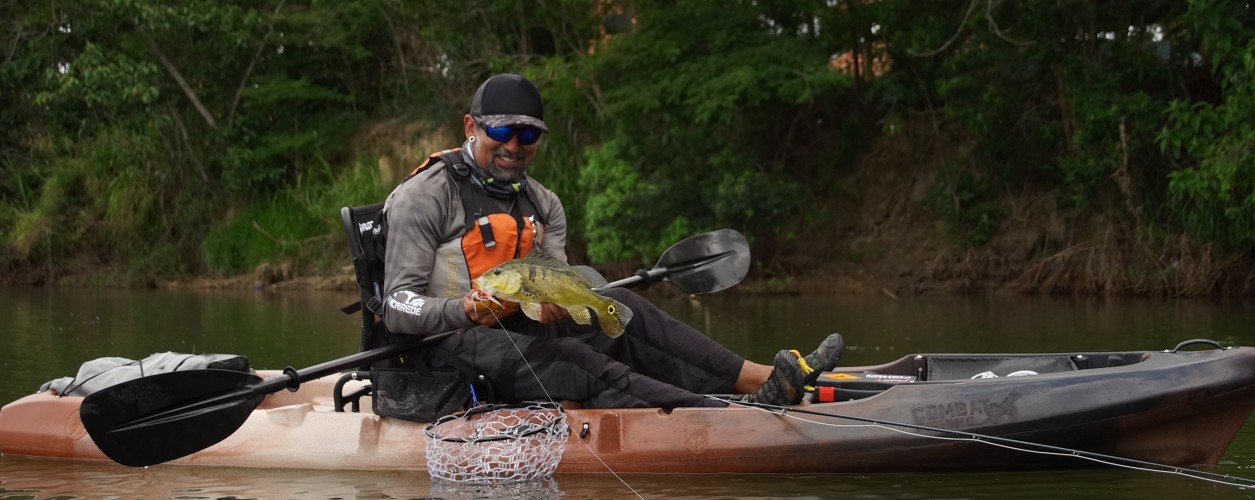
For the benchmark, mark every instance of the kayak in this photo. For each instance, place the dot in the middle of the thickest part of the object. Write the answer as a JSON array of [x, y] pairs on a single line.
[[919, 413]]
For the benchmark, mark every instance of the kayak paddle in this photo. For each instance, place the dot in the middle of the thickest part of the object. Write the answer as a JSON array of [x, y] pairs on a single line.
[[162, 417], [702, 263]]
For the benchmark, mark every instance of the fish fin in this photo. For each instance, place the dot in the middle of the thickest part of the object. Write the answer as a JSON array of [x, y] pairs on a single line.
[[530, 309], [544, 259], [615, 319], [581, 315], [541, 257], [540, 254], [625, 313], [592, 275]]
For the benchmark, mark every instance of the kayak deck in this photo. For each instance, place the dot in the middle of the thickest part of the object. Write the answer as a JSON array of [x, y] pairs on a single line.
[[1171, 408]]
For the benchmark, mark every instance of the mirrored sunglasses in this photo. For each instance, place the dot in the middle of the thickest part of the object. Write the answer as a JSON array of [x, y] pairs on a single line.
[[527, 135]]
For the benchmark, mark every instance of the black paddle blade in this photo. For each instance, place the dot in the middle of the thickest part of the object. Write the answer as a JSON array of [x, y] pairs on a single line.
[[707, 262], [162, 417]]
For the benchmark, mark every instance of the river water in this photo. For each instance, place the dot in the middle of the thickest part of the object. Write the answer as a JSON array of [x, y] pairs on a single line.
[[47, 333]]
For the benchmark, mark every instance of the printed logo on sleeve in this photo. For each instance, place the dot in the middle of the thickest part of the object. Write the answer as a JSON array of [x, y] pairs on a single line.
[[412, 305]]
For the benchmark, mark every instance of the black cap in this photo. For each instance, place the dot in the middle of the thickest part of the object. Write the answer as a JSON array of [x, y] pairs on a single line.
[[508, 99]]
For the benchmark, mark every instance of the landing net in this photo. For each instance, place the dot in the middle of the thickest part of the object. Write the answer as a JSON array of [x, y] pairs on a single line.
[[497, 444]]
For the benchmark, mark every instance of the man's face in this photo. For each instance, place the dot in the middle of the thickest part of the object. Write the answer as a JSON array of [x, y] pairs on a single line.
[[504, 161]]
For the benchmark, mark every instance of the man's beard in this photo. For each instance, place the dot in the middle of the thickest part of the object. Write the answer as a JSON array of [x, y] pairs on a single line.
[[503, 174]]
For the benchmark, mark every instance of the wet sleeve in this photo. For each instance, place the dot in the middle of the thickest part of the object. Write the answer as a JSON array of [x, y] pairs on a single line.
[[418, 213]]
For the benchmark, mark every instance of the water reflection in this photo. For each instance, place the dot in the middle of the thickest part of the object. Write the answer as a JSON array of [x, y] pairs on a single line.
[[38, 478], [49, 332], [540, 488]]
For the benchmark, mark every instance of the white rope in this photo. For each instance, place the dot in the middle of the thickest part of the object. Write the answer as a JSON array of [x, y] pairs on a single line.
[[889, 426], [783, 411]]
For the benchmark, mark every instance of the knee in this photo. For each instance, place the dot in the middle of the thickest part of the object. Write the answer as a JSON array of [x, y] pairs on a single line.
[[565, 349], [571, 360]]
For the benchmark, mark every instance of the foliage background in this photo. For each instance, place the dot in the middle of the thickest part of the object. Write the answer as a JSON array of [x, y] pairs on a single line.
[[1058, 146]]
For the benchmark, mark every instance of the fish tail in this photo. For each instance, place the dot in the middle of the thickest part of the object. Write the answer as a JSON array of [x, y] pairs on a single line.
[[614, 317]]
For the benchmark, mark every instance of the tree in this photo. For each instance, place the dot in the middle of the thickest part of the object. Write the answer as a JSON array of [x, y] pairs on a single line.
[[712, 117], [1211, 137]]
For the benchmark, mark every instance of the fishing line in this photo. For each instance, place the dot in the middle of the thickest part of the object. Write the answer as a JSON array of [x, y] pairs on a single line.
[[1001, 442], [551, 400], [517, 349]]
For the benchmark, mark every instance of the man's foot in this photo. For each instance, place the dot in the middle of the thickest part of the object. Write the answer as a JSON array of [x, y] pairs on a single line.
[[785, 385], [824, 359]]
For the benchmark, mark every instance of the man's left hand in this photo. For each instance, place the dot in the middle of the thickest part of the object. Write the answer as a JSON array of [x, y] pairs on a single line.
[[552, 313]]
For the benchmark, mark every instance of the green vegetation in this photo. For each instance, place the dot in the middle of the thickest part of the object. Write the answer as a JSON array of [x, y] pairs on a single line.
[[156, 140], [1211, 141]]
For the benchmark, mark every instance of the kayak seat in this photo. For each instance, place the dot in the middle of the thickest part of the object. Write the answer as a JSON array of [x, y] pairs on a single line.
[[364, 228], [400, 386], [966, 367]]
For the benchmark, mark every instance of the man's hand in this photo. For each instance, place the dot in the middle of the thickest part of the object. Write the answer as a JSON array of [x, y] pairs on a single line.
[[552, 313], [481, 308], [484, 310]]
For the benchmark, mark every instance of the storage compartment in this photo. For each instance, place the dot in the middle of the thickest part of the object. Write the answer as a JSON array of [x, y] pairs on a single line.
[[843, 386]]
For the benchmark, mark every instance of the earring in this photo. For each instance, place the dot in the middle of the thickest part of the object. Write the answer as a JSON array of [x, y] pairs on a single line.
[[471, 139]]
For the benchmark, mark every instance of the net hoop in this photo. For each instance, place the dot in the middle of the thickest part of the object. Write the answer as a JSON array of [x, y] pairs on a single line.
[[497, 444]]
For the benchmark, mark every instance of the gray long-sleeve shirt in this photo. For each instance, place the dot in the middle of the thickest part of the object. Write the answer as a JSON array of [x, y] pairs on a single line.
[[425, 270]]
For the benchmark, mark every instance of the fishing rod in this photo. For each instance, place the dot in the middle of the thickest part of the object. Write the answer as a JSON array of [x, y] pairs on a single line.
[[1010, 443]]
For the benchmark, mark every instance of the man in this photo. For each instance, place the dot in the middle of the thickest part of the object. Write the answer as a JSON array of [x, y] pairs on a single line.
[[468, 210]]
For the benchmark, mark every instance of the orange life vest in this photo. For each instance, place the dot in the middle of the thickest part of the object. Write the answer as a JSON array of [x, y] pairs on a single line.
[[492, 236]]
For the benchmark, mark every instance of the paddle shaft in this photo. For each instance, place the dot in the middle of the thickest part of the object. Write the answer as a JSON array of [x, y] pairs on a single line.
[[702, 259], [291, 379], [643, 277], [702, 263], [166, 416]]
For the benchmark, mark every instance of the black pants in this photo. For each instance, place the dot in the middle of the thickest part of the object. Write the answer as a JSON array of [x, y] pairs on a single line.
[[658, 362]]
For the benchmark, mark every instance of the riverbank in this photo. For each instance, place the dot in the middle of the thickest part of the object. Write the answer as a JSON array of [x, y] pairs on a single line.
[[918, 270], [908, 256], [882, 236]]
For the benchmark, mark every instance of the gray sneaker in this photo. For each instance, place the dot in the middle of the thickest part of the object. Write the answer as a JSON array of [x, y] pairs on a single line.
[[824, 359], [785, 385]]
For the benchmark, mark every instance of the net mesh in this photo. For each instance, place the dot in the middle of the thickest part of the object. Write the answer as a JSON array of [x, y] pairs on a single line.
[[497, 444]]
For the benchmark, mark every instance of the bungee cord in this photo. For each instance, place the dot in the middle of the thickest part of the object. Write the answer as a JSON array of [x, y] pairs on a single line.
[[949, 435], [1001, 442]]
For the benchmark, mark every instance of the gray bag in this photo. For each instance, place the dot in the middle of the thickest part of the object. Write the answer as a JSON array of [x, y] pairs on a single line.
[[100, 373]]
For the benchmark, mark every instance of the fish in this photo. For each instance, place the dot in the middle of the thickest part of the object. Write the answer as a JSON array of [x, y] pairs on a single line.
[[532, 280]]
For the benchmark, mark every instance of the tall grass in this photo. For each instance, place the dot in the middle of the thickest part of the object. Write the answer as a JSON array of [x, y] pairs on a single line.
[[298, 227]]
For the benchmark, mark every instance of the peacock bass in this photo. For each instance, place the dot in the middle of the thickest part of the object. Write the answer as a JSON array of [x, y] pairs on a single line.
[[532, 280]]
